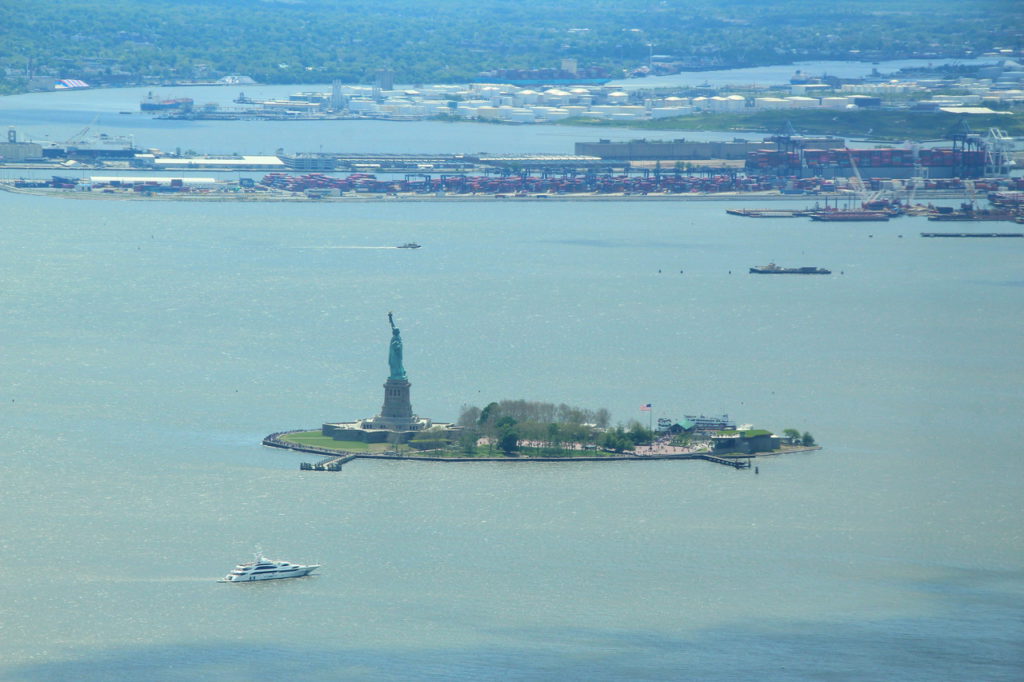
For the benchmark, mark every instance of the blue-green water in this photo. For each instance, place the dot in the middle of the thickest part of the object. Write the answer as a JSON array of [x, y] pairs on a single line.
[[148, 347]]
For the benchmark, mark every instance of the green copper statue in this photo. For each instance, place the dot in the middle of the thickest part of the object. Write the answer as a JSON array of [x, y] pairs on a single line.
[[395, 353]]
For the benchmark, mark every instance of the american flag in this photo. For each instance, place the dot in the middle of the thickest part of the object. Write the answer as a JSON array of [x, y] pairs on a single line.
[[645, 408]]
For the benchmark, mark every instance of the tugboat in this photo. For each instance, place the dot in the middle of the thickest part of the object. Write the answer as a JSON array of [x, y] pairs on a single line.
[[409, 245], [773, 269]]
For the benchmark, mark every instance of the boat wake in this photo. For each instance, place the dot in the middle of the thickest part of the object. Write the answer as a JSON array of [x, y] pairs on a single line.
[[169, 579], [334, 248]]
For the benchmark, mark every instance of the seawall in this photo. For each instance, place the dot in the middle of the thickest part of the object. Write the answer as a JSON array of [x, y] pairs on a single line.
[[274, 440]]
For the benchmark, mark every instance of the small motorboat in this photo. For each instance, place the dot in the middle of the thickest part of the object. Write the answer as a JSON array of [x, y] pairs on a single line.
[[409, 245]]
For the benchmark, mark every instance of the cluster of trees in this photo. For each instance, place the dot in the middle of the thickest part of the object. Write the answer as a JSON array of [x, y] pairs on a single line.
[[546, 428], [290, 41], [798, 438]]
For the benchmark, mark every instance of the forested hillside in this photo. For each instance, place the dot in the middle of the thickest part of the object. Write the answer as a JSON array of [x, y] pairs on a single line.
[[454, 40]]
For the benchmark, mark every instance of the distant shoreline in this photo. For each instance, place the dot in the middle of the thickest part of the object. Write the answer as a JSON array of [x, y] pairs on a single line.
[[416, 197]]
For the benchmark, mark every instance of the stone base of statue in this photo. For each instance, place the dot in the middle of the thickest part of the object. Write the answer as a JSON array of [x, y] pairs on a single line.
[[396, 422], [373, 430], [396, 413]]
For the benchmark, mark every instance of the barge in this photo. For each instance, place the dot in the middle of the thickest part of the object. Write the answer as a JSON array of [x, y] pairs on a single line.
[[990, 235], [767, 212], [850, 216], [973, 216], [773, 269]]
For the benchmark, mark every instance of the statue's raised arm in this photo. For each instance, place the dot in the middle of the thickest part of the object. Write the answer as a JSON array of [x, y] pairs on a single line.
[[395, 352]]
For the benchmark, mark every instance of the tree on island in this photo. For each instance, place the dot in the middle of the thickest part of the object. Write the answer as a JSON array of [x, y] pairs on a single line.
[[615, 440], [488, 414], [508, 438], [469, 417], [792, 434], [554, 435], [621, 439], [807, 439], [551, 430], [639, 434], [467, 442]]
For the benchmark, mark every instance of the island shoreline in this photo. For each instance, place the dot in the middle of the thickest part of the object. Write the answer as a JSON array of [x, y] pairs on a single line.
[[274, 440]]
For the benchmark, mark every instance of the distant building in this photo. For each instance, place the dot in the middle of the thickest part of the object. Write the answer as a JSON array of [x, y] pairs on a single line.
[[16, 152], [244, 162], [674, 150], [384, 79], [746, 442], [310, 162], [20, 151], [703, 423]]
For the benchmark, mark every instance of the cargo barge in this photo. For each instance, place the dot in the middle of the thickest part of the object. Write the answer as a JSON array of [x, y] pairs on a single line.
[[973, 216], [773, 269], [988, 235], [153, 104], [767, 212], [850, 216]]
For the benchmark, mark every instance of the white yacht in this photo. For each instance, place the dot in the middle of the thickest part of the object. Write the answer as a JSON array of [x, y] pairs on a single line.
[[262, 568]]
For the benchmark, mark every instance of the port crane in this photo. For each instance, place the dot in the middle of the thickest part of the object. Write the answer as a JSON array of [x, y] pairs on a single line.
[[858, 182], [999, 148], [80, 135], [971, 193]]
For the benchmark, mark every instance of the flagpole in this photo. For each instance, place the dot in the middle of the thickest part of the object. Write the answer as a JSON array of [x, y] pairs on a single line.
[[649, 408]]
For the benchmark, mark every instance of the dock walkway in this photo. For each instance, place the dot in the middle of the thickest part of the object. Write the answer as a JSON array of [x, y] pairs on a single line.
[[734, 463], [329, 464]]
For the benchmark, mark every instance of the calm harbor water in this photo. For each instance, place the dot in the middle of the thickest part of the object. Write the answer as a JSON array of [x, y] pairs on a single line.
[[149, 346]]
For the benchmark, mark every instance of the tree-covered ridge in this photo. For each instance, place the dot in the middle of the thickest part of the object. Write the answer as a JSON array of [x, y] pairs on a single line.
[[454, 40]]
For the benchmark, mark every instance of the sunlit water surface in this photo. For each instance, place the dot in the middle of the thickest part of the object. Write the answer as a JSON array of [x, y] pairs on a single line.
[[148, 347]]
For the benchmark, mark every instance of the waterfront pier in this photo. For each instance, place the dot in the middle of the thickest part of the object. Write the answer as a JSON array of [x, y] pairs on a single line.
[[734, 463]]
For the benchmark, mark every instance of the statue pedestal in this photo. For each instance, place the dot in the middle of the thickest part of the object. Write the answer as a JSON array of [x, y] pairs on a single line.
[[395, 423], [396, 413]]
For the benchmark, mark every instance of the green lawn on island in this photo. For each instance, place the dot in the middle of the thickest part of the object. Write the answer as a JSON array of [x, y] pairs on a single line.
[[317, 439], [745, 434]]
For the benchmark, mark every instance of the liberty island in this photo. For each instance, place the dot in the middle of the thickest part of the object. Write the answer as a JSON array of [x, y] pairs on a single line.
[[396, 424]]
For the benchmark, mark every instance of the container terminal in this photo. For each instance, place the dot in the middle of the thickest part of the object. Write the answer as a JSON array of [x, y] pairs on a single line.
[[785, 164]]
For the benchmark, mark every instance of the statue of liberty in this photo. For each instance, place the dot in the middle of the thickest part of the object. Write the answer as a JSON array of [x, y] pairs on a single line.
[[395, 353]]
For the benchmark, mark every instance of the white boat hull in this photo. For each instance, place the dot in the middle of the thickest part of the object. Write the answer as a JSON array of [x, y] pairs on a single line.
[[266, 569], [268, 576]]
